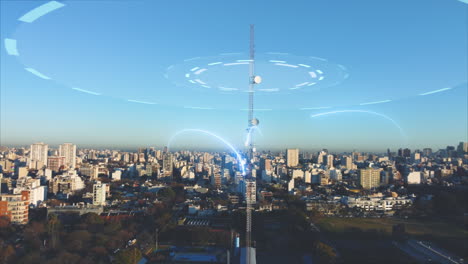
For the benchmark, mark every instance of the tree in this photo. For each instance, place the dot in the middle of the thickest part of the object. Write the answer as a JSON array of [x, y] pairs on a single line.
[[6, 254], [129, 256], [167, 194], [325, 253]]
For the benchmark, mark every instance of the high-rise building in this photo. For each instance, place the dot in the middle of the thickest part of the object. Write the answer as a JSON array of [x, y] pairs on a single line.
[[321, 157], [68, 150], [335, 175], [216, 179], [168, 164], [450, 151], [462, 148], [292, 157], [99, 193], [330, 159], [406, 153], [15, 207], [38, 154], [347, 162], [369, 178], [427, 152]]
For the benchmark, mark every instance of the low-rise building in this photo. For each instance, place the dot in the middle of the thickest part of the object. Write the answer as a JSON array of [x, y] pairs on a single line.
[[15, 207]]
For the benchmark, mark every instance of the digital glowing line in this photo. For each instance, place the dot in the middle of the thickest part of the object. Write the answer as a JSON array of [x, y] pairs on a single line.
[[249, 134], [317, 58], [191, 59], [199, 71], [227, 89], [199, 81], [270, 90], [362, 111], [287, 65], [239, 157], [436, 91], [235, 63], [304, 65], [10, 47], [315, 108], [140, 102], [85, 91], [302, 84], [38, 74], [378, 102], [39, 11], [278, 61], [214, 63]]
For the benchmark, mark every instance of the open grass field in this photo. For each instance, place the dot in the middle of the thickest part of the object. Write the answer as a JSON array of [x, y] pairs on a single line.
[[413, 227], [449, 236]]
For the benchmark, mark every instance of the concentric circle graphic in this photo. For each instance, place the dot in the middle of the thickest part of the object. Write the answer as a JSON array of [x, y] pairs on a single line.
[[280, 72], [220, 82]]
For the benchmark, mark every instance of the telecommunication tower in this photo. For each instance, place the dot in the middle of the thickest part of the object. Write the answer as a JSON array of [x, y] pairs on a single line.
[[253, 79]]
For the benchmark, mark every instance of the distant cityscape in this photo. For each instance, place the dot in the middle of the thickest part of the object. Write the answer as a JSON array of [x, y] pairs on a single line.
[[207, 189]]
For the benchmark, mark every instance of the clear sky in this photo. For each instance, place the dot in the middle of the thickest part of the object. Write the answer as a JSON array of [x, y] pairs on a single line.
[[395, 50]]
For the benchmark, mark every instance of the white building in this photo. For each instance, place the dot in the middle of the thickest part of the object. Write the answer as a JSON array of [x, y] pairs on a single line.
[[376, 203], [68, 150], [66, 183], [330, 159], [292, 157], [414, 177], [290, 185], [335, 175], [99, 193], [38, 155], [117, 175], [298, 174], [308, 177], [22, 172], [37, 193]]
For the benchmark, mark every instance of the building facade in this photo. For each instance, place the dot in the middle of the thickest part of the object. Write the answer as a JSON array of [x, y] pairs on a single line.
[[15, 207], [68, 150]]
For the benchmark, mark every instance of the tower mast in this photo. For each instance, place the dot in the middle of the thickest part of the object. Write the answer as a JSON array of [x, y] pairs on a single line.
[[252, 123]]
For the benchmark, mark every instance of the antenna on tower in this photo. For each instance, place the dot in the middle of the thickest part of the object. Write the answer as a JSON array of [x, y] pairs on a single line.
[[253, 79], [252, 123]]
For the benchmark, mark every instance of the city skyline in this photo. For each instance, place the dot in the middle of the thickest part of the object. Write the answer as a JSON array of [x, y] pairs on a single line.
[[381, 105], [175, 131], [226, 149]]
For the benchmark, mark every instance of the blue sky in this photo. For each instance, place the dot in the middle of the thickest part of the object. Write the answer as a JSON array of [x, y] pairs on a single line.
[[121, 49]]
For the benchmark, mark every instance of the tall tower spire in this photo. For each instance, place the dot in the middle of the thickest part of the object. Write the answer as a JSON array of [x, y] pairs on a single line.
[[252, 122]]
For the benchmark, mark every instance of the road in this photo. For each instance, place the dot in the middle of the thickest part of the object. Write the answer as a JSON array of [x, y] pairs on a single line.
[[425, 252]]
